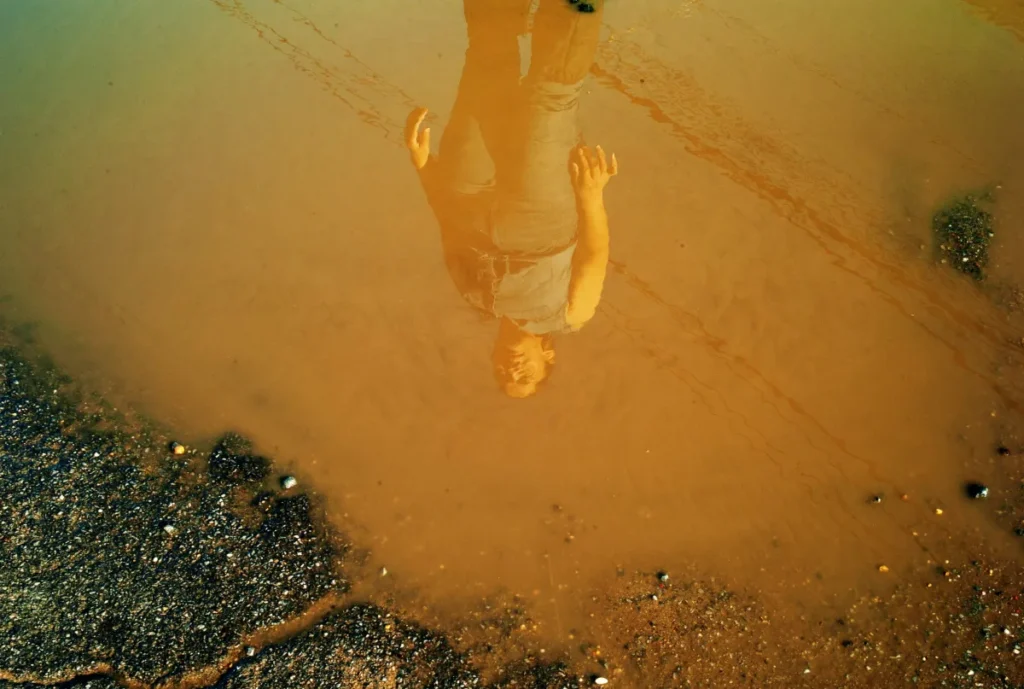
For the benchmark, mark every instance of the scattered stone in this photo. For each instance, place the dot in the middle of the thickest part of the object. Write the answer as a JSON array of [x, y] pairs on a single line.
[[938, 511], [600, 681], [883, 569], [1003, 451], [976, 491], [963, 231], [383, 571], [288, 482], [663, 577], [250, 651], [176, 448], [875, 499], [170, 529]]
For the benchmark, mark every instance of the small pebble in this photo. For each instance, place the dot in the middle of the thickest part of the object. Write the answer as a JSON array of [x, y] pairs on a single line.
[[883, 569], [170, 529], [250, 651], [1003, 450], [875, 499], [288, 482], [663, 577], [976, 491], [177, 448], [383, 571], [938, 510], [600, 681]]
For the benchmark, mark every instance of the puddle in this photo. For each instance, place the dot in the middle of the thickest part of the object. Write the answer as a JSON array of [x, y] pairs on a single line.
[[209, 214]]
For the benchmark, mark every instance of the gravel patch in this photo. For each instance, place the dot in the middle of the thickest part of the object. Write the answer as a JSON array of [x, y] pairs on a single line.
[[118, 557]]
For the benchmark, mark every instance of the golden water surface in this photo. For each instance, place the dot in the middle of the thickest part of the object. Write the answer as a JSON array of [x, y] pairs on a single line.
[[207, 209]]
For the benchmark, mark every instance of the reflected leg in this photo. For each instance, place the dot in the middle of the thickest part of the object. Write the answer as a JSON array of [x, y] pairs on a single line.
[[537, 207], [476, 132], [564, 42]]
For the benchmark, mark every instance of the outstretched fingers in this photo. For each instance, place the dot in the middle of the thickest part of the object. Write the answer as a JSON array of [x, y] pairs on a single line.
[[583, 161], [413, 137]]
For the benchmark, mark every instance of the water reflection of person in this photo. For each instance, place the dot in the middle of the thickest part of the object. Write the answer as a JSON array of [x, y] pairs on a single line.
[[518, 196]]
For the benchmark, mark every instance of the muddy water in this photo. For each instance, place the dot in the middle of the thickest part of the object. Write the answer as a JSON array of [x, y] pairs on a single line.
[[207, 211]]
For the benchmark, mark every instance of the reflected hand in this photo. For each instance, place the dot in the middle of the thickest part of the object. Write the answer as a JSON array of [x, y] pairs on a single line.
[[590, 172], [416, 141]]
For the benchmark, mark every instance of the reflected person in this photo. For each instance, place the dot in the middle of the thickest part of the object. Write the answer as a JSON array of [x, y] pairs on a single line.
[[518, 196]]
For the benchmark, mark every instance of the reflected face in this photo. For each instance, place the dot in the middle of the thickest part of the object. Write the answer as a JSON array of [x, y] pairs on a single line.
[[522, 360]]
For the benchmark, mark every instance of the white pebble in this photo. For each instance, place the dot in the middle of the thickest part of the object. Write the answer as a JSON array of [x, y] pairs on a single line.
[[288, 482], [169, 528], [600, 681]]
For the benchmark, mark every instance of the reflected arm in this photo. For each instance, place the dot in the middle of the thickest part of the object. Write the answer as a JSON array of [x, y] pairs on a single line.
[[589, 263]]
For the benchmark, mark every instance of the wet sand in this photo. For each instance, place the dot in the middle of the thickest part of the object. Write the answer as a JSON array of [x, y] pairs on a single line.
[[208, 213]]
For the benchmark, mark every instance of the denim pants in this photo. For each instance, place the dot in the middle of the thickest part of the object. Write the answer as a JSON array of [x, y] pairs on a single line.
[[508, 141], [504, 159]]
